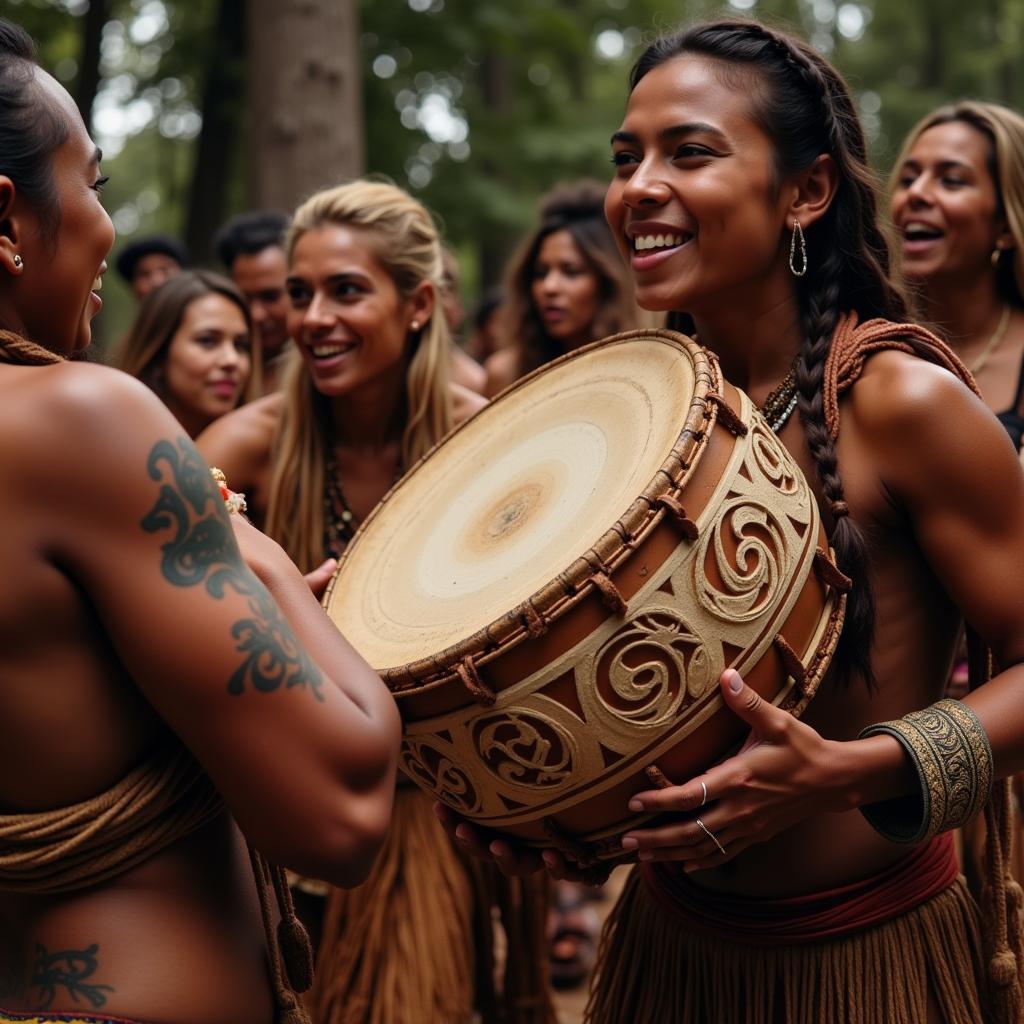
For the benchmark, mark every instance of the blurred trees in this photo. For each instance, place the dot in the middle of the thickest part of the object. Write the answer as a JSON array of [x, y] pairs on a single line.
[[476, 106]]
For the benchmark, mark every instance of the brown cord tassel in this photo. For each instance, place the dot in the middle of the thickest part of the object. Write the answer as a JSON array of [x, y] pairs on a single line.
[[791, 662], [728, 417], [830, 574], [687, 527], [470, 677], [613, 600]]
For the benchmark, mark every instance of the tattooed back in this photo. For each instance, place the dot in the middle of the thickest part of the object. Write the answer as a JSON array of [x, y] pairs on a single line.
[[126, 614]]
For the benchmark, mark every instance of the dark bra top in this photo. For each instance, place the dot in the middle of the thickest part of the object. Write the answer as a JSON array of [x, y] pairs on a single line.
[[1012, 420]]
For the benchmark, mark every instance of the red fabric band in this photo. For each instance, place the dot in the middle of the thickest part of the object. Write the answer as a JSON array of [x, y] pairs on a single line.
[[928, 870]]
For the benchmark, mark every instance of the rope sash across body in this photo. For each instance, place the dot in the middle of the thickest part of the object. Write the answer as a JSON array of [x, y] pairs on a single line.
[[163, 800]]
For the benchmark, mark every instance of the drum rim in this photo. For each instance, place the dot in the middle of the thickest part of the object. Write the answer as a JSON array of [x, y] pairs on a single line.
[[590, 571]]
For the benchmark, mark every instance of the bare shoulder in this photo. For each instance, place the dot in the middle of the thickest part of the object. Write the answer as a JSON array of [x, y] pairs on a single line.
[[923, 427], [465, 403], [251, 426], [242, 442], [501, 370], [467, 371], [79, 410]]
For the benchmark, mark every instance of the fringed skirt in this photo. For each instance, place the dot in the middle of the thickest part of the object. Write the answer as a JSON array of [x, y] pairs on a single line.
[[415, 943], [653, 969]]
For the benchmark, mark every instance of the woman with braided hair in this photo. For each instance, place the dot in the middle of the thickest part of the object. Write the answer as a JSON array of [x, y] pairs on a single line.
[[811, 876], [155, 651]]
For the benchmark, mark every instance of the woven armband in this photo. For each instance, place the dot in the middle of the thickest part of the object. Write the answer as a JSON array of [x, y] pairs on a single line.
[[953, 761]]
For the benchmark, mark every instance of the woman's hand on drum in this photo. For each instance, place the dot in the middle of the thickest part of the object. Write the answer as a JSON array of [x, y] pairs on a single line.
[[784, 773], [511, 858]]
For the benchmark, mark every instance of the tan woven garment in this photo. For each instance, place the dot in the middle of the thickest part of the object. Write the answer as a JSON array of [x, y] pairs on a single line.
[[652, 969], [413, 944], [160, 802]]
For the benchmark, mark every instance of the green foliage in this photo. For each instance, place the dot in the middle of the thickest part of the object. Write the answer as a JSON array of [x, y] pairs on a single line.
[[481, 106]]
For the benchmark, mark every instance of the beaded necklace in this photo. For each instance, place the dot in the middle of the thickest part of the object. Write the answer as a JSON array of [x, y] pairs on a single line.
[[779, 405], [340, 523]]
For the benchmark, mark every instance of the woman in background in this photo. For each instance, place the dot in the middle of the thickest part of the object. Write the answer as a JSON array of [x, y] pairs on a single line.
[[190, 343], [565, 287], [368, 394], [958, 203]]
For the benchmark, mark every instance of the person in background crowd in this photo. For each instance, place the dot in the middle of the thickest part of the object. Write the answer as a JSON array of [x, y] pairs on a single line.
[[370, 394], [147, 262], [147, 636], [958, 202], [190, 343], [565, 287], [251, 247], [486, 337], [465, 369]]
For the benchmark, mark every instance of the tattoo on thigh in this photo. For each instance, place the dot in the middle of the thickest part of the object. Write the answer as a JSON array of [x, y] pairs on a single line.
[[202, 550], [68, 970]]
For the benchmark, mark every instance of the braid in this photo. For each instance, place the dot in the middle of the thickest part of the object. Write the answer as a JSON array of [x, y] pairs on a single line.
[[806, 108]]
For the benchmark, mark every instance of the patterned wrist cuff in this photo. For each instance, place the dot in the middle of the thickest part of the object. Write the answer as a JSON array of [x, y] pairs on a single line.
[[953, 760]]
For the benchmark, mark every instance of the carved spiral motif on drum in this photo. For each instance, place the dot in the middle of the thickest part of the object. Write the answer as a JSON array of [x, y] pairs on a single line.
[[774, 461], [749, 557], [525, 748], [434, 768], [652, 668]]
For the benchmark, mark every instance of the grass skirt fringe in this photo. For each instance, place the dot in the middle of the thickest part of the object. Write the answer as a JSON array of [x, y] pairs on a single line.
[[399, 949], [652, 969]]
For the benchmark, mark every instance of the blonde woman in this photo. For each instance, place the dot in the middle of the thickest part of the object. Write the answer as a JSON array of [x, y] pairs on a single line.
[[958, 203], [367, 394]]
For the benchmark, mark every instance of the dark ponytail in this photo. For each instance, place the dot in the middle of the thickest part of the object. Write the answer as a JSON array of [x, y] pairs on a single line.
[[30, 130], [806, 109]]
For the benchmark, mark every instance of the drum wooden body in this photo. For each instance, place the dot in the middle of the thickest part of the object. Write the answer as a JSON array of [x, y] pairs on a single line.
[[552, 594]]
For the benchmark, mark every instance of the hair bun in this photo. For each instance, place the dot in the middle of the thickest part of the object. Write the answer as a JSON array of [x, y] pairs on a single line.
[[580, 200]]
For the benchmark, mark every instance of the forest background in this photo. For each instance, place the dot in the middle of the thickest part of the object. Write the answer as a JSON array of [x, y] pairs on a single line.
[[205, 108]]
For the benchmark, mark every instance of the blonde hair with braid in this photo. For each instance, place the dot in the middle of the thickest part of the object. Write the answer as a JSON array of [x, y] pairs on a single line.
[[406, 243]]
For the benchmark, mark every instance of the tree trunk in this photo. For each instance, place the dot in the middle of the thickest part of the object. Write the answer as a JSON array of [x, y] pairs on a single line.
[[306, 98], [496, 90], [223, 101], [88, 81]]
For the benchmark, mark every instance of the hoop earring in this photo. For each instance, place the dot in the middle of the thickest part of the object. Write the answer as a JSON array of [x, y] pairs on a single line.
[[797, 248], [18, 262]]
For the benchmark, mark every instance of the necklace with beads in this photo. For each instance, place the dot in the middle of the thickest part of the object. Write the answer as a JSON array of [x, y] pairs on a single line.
[[340, 522], [779, 405]]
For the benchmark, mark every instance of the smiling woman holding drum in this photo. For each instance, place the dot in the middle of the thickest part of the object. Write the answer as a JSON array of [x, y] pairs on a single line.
[[743, 198]]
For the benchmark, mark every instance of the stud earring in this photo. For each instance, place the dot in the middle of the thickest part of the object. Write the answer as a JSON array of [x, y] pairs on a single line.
[[997, 252], [797, 251], [18, 262], [414, 326]]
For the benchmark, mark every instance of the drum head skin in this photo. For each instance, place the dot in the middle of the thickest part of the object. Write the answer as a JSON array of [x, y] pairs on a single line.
[[511, 499]]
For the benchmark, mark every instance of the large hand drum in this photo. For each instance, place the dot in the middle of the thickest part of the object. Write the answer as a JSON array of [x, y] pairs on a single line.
[[552, 594]]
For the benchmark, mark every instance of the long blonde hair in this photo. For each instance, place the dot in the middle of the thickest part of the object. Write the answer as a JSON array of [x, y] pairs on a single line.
[[406, 243], [1004, 129]]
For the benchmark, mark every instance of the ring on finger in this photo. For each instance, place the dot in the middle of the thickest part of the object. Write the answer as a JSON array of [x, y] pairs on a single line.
[[711, 835], [704, 790]]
